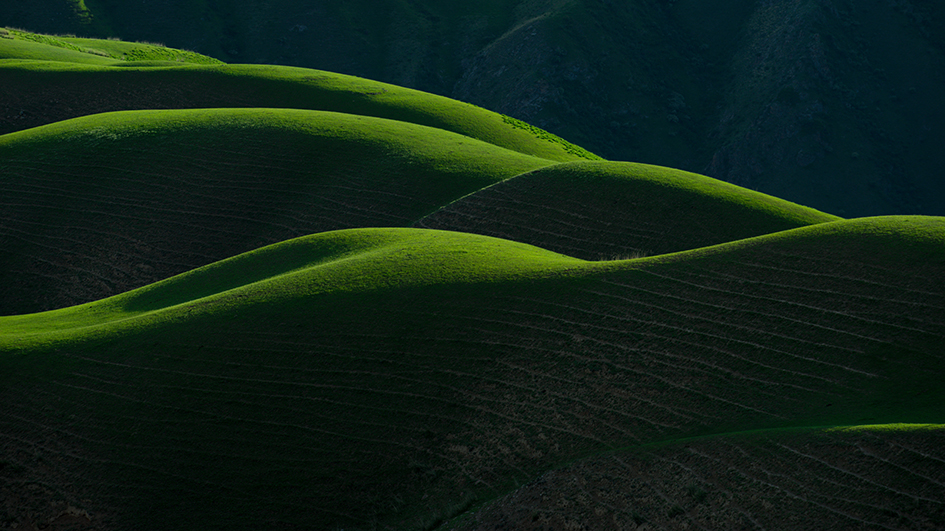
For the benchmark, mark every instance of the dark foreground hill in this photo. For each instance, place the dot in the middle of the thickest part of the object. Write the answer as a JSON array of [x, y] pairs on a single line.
[[835, 104], [397, 377]]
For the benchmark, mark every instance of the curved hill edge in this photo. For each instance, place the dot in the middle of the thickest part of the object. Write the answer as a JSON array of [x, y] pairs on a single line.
[[20, 44], [604, 210], [43, 92], [332, 262]]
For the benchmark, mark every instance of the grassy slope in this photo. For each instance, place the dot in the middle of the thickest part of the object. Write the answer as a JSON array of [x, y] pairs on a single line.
[[398, 375], [98, 205], [19, 44], [843, 124], [602, 210], [44, 92]]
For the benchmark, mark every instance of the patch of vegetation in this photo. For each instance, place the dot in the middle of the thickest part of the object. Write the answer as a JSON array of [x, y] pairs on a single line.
[[50, 48], [545, 135], [391, 377]]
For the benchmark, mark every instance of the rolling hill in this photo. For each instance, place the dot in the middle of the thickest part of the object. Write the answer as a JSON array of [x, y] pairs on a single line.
[[605, 210], [766, 365], [98, 205], [831, 104]]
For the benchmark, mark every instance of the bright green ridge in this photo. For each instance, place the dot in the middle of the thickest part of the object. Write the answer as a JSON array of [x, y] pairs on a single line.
[[901, 427], [317, 141], [865, 428], [359, 260], [93, 89], [334, 262], [19, 44]]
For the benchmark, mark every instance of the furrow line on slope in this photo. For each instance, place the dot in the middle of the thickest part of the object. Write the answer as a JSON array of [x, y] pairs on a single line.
[[782, 303], [835, 277], [718, 324], [907, 470], [843, 471], [789, 493], [806, 288], [605, 227], [658, 355]]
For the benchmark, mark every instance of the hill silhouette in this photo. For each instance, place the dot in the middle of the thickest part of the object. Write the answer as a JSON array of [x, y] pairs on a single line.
[[767, 365]]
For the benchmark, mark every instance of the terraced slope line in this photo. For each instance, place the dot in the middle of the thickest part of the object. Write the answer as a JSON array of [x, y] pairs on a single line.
[[384, 377], [98, 205], [42, 92], [608, 210], [869, 477]]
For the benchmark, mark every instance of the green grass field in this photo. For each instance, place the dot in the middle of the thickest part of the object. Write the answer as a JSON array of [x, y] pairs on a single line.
[[251, 324]]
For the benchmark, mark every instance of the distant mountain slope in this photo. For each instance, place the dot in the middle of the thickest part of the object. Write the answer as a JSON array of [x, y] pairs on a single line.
[[394, 377], [608, 210], [834, 104], [98, 205]]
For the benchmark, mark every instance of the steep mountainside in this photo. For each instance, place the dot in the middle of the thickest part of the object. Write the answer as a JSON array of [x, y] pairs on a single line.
[[834, 104]]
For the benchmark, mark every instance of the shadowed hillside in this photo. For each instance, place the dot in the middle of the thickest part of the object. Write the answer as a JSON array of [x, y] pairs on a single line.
[[843, 479], [609, 210], [43, 92]]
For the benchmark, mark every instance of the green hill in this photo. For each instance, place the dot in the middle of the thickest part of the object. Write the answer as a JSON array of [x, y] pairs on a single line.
[[766, 366], [834, 105], [606, 210], [102, 204], [53, 86], [19, 44], [394, 377]]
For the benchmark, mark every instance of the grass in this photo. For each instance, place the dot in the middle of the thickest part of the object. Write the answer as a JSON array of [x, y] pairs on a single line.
[[92, 89], [339, 359], [20, 44]]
